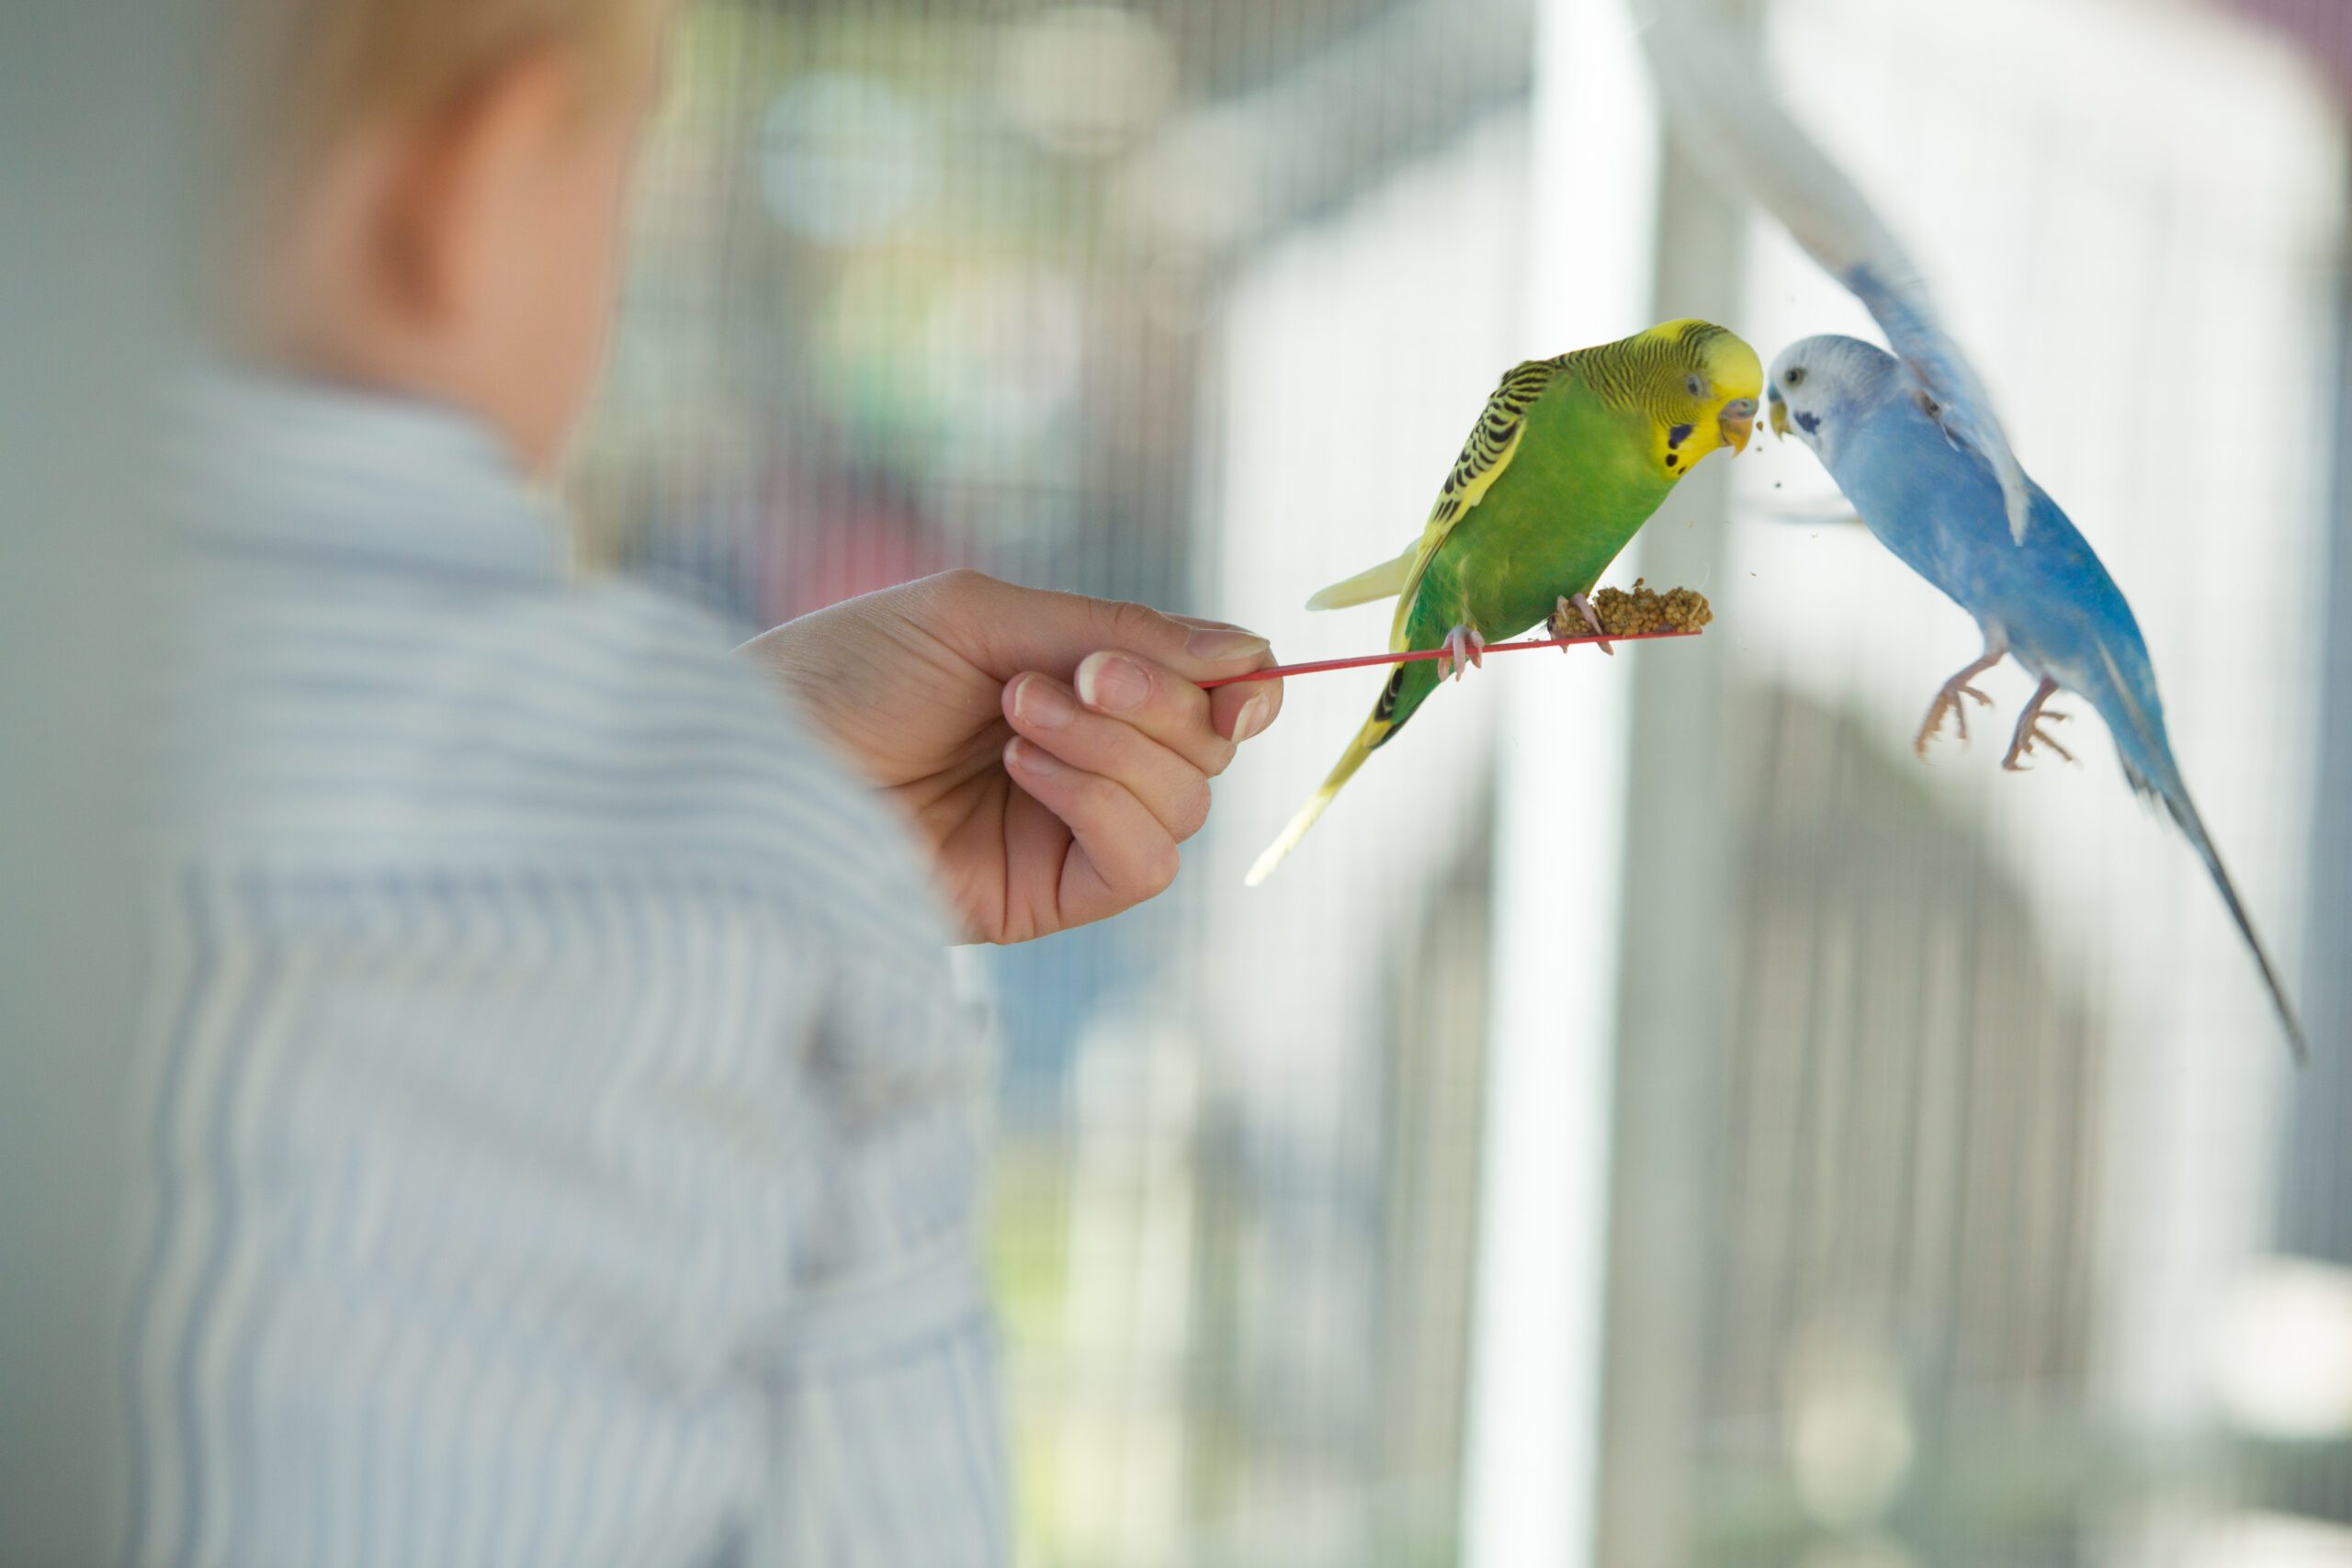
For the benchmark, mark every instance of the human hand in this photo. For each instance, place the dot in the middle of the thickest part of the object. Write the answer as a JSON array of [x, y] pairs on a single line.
[[1052, 749]]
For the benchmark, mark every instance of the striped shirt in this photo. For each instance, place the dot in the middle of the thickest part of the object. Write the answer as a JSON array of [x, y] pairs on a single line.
[[559, 1139]]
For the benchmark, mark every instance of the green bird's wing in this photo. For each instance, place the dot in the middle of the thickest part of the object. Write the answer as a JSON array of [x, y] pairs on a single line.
[[1581, 482], [1485, 458], [1493, 443]]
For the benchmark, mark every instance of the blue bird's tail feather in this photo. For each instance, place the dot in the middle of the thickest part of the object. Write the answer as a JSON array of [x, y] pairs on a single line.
[[2183, 811], [2148, 763]]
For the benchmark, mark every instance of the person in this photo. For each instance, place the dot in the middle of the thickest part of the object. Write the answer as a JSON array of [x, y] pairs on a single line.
[[559, 1139]]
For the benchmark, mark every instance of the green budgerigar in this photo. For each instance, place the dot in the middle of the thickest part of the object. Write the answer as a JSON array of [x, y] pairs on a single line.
[[1570, 458]]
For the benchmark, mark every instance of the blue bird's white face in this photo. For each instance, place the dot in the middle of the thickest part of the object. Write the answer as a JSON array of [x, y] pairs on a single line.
[[1817, 384]]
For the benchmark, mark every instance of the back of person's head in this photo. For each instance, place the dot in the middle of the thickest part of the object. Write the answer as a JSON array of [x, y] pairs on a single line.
[[425, 195], [313, 73]]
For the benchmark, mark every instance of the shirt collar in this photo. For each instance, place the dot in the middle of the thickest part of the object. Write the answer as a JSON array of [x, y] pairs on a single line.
[[287, 466]]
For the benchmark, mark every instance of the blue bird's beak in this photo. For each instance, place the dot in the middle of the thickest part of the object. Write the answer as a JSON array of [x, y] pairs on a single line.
[[1739, 423], [1779, 416]]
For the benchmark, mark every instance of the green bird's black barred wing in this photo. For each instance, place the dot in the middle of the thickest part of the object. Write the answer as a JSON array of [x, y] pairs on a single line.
[[1485, 456]]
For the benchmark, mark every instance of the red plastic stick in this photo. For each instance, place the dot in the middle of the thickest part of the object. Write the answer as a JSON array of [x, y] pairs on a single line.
[[1321, 665]]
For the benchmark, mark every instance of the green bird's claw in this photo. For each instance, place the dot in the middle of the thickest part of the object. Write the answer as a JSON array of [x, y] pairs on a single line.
[[1463, 649], [1565, 614]]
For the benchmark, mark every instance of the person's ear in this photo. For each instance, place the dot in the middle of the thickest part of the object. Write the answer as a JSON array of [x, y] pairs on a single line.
[[463, 182]]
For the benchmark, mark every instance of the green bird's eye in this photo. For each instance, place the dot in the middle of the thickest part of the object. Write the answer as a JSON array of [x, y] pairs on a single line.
[[1695, 387]]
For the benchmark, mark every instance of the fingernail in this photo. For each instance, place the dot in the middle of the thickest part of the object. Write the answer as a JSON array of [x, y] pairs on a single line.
[[1253, 717], [1112, 683], [1033, 758], [1041, 703], [1218, 643]]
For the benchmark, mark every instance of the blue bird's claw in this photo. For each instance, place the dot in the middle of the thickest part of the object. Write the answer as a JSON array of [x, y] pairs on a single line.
[[1947, 700], [2029, 733]]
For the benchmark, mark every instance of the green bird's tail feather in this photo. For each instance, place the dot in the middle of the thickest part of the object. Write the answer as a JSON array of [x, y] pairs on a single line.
[[1385, 581], [1374, 732], [1405, 692]]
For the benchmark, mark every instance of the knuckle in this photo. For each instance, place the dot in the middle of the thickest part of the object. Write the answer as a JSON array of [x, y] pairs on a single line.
[[1193, 807], [1132, 623], [1157, 867], [1097, 796], [944, 594]]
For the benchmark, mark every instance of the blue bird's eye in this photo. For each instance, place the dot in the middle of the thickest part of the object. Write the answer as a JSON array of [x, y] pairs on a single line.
[[1795, 377]]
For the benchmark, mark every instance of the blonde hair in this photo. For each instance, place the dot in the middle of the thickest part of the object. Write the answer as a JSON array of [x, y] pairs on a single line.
[[314, 72]]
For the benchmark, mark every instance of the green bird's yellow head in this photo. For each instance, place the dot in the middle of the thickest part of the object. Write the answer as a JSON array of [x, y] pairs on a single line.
[[1696, 384]]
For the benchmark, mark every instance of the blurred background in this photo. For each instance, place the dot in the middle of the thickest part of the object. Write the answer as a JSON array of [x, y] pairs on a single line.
[[1654, 1120]]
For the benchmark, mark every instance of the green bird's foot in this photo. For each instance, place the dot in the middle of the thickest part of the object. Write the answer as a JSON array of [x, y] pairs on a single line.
[[1566, 613], [2029, 732], [1463, 649]]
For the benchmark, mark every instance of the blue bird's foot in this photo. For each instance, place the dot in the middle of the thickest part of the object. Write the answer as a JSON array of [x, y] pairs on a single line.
[[1463, 649], [1947, 701], [2029, 732]]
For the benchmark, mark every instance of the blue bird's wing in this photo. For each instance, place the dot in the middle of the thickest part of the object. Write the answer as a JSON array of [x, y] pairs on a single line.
[[1726, 109]]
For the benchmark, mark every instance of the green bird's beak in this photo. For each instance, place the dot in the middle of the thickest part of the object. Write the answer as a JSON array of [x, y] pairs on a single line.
[[1739, 423]]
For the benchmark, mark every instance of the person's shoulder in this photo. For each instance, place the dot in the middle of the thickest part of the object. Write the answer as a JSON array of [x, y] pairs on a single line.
[[743, 773], [604, 726], [381, 668], [686, 684]]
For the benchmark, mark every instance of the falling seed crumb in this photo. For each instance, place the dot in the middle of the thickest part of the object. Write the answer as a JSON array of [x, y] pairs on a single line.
[[1622, 614]]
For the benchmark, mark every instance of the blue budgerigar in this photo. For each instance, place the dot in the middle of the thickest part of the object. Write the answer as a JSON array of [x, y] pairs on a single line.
[[1912, 438], [2046, 601]]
